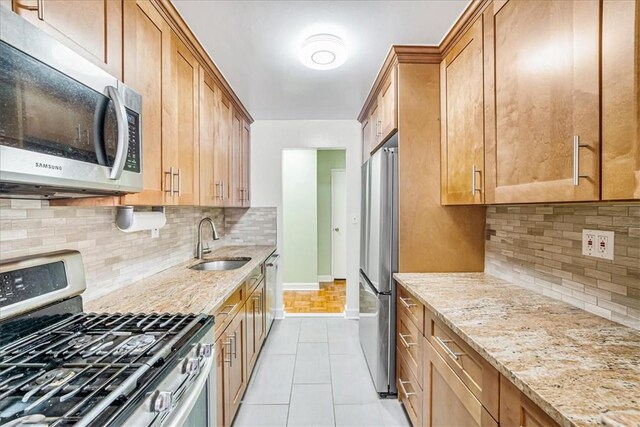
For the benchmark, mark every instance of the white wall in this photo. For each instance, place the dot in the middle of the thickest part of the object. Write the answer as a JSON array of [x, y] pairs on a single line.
[[300, 219], [269, 138]]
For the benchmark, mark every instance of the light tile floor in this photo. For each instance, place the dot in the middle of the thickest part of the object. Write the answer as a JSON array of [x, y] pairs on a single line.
[[312, 372]]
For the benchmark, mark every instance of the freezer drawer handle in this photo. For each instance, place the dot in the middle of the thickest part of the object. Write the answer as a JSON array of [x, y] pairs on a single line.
[[405, 342], [405, 303], [404, 390], [444, 345]]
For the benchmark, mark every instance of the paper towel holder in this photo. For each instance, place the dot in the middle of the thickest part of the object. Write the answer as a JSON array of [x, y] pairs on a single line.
[[125, 215]]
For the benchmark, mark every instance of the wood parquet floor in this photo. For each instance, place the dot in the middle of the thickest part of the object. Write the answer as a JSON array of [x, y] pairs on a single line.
[[331, 298]]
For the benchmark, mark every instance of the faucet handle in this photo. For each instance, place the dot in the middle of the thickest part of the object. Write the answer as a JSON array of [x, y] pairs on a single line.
[[207, 249]]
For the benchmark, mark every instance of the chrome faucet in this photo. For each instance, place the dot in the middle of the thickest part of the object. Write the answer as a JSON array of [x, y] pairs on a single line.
[[200, 251]]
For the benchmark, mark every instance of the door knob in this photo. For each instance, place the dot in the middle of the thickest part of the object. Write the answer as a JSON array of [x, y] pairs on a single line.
[[336, 229]]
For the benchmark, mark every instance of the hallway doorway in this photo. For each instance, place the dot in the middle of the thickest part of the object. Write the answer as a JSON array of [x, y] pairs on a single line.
[[314, 231]]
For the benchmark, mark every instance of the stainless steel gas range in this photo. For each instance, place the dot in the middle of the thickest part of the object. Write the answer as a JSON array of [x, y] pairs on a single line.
[[60, 366]]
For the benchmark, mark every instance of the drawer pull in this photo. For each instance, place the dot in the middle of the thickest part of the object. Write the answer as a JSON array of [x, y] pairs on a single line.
[[405, 342], [405, 303], [233, 307], [444, 343], [404, 390]]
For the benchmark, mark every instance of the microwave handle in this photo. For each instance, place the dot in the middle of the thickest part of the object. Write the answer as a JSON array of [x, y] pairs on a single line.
[[123, 133]]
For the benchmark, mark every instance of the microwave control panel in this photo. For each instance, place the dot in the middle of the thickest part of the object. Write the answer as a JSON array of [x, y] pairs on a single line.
[[133, 155]]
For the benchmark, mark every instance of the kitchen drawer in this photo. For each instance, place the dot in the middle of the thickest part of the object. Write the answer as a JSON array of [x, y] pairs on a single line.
[[226, 312], [475, 372], [409, 391], [447, 400], [410, 306], [408, 339]]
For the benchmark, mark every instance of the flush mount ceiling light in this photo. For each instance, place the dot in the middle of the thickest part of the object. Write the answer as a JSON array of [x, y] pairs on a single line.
[[323, 52]]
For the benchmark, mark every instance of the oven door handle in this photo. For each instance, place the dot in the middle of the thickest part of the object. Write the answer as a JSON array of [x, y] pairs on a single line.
[[181, 411], [123, 133]]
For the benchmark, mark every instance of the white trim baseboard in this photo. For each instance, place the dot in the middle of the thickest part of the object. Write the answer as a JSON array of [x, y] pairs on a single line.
[[313, 314], [353, 314], [325, 278], [310, 286], [279, 313]]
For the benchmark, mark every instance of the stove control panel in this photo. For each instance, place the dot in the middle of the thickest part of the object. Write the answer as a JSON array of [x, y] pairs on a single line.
[[26, 283]]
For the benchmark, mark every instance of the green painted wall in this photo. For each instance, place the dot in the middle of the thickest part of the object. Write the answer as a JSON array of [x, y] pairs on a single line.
[[300, 216], [327, 160]]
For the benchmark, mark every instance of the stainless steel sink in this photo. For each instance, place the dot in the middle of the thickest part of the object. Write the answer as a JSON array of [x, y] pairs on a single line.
[[220, 264]]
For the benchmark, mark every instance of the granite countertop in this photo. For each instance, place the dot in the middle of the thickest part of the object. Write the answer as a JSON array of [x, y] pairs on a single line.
[[581, 369], [181, 290]]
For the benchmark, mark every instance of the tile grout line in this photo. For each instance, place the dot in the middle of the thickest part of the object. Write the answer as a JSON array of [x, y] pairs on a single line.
[[295, 359]]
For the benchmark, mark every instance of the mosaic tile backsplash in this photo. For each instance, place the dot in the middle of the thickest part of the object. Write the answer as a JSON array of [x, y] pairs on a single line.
[[540, 247], [114, 259]]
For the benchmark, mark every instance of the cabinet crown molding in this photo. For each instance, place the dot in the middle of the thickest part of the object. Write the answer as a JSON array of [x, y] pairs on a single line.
[[422, 54]]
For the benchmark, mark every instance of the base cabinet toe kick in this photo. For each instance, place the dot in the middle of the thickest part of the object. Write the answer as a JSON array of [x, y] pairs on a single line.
[[442, 381]]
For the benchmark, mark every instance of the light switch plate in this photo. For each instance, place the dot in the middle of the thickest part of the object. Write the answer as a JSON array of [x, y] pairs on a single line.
[[155, 233], [598, 243]]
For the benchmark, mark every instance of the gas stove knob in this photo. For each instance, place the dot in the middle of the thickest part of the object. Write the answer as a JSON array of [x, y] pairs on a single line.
[[191, 365], [162, 401], [205, 350]]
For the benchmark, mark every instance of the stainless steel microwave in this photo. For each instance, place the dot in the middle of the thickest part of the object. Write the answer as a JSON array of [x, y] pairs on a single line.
[[67, 127]]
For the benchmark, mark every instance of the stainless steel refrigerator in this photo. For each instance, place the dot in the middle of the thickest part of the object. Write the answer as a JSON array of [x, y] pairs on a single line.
[[378, 262]]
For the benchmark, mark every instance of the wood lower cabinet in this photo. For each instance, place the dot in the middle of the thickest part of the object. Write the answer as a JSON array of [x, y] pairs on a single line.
[[240, 333], [255, 324], [442, 381], [238, 376], [518, 410], [620, 100], [92, 28], [448, 401], [462, 100], [542, 123]]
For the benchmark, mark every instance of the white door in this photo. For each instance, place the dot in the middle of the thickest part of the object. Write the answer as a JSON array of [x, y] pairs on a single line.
[[338, 223]]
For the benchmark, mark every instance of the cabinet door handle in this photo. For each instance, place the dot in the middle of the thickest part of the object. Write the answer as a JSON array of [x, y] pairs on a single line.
[[576, 160], [230, 361], [405, 303], [404, 390], [406, 343], [235, 345], [444, 345], [474, 186], [171, 189], [179, 183], [38, 7]]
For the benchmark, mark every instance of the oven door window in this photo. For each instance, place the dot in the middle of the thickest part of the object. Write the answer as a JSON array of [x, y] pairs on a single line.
[[199, 415], [45, 111]]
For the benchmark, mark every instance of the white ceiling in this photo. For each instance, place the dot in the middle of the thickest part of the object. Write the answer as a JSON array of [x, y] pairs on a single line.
[[255, 45]]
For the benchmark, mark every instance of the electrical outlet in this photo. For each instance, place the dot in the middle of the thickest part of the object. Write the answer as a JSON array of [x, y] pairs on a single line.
[[354, 219], [598, 243], [155, 233]]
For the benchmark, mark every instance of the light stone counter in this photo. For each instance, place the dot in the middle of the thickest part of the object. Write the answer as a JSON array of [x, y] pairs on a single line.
[[181, 290], [581, 369]]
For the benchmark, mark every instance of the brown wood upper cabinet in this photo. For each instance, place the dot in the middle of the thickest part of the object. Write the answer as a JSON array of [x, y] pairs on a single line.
[[92, 28], [620, 100], [181, 161], [215, 143], [246, 164], [542, 122], [383, 115], [388, 106], [462, 98], [165, 72], [148, 42]]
